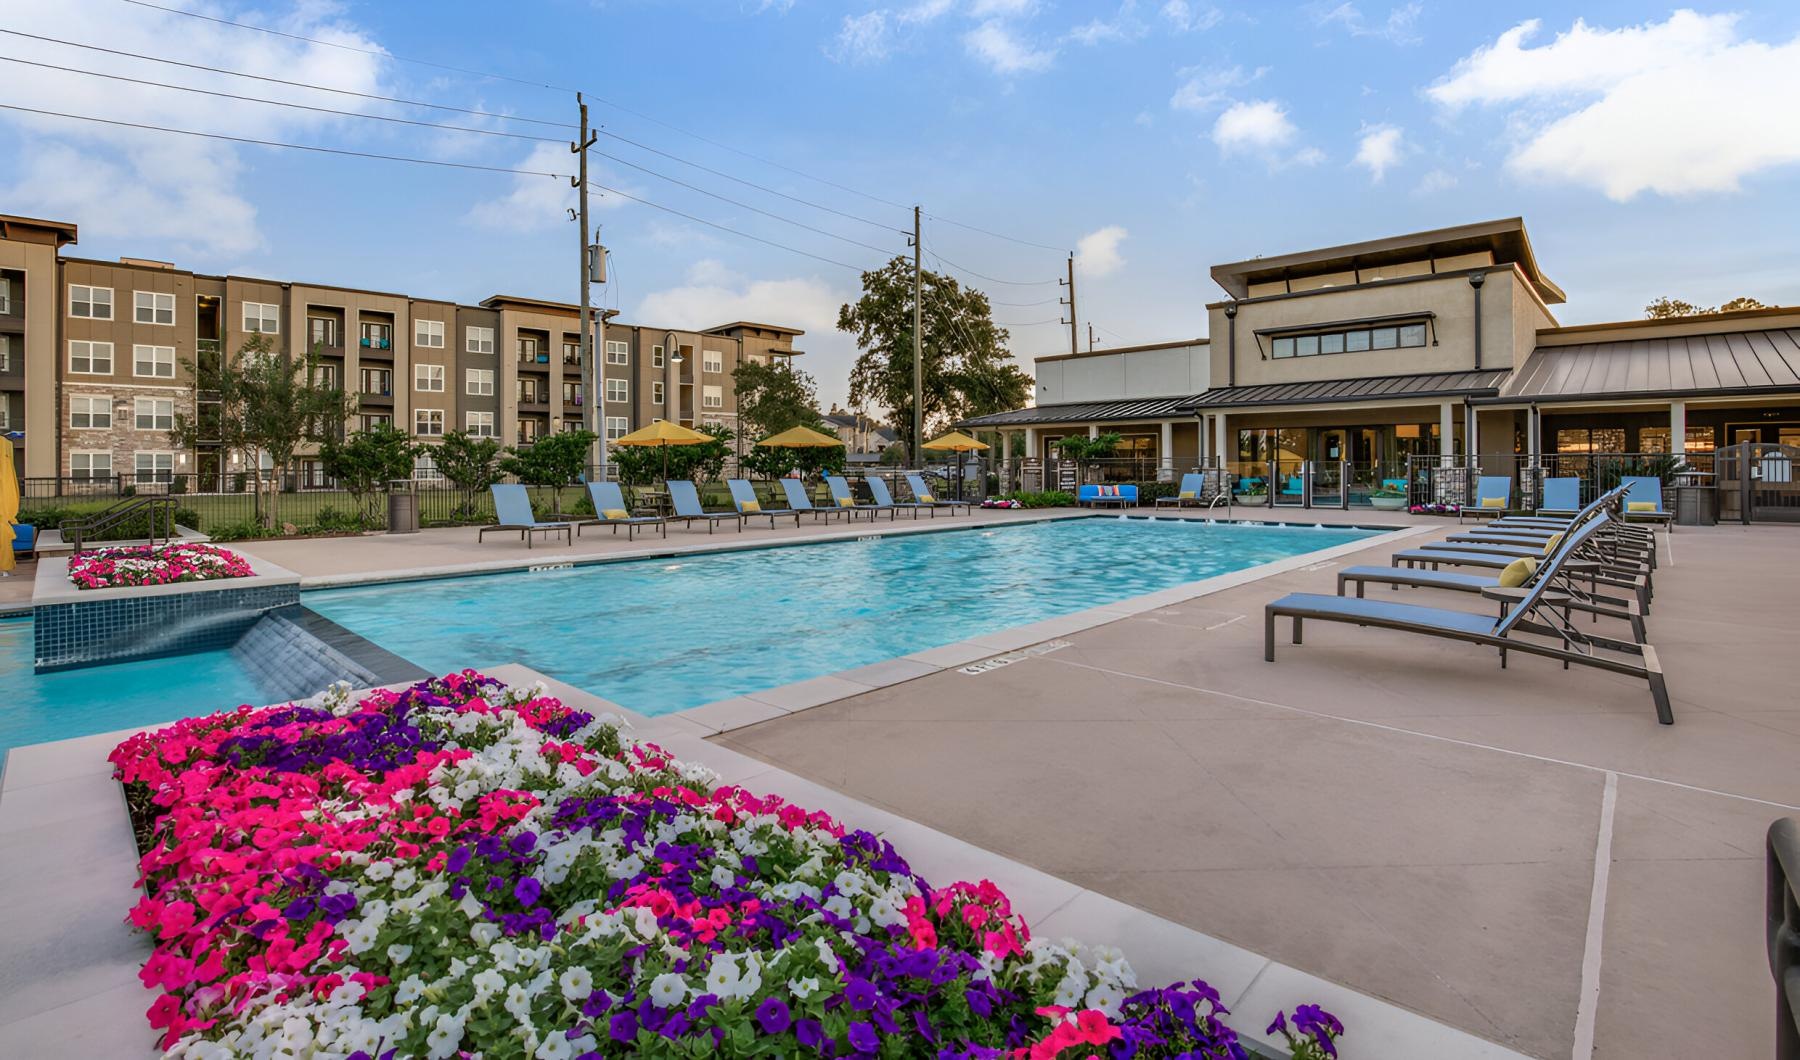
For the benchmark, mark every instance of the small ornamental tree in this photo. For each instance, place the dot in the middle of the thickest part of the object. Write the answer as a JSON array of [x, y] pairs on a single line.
[[467, 462], [555, 460], [777, 461], [1081, 450], [642, 465], [367, 461]]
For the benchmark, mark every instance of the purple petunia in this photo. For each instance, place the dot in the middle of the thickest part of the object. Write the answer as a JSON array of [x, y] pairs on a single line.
[[863, 1037], [773, 1016]]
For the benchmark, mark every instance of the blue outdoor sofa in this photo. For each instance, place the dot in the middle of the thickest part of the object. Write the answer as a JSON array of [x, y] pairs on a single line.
[[1125, 496]]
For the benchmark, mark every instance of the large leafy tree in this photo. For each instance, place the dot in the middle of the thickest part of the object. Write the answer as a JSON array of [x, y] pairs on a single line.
[[554, 460], [368, 460], [967, 369], [1665, 307], [642, 465], [774, 397]]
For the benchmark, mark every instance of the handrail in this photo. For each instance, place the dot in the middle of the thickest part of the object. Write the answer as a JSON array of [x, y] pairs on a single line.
[[114, 514], [1784, 933]]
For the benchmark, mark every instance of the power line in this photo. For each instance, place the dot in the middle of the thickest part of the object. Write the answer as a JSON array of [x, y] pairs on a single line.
[[1029, 323], [1022, 305], [998, 235], [984, 276]]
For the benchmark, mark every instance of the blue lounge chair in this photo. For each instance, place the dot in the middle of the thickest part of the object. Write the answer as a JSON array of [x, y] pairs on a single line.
[[1562, 496], [685, 499], [921, 494], [611, 510], [844, 498], [24, 542], [1642, 490], [1193, 490], [1493, 496], [800, 501], [1555, 637], [743, 497], [1094, 496], [1294, 487], [884, 499], [512, 511]]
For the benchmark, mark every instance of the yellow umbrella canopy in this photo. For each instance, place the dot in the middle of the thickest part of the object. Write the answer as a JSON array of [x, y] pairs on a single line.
[[9, 504], [956, 442], [664, 432], [800, 438]]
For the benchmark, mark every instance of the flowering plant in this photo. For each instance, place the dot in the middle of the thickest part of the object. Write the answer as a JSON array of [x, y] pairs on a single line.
[[467, 868], [1434, 509], [182, 561]]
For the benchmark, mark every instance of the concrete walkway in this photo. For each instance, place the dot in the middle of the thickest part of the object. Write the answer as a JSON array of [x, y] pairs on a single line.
[[1524, 854]]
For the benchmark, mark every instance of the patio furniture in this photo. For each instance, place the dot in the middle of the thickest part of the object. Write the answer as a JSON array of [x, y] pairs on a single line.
[[743, 497], [512, 509], [1197, 488], [610, 510], [24, 542], [1125, 496], [686, 501], [1532, 615], [1625, 574], [1294, 487], [885, 499], [1644, 501], [1581, 580], [921, 494], [1562, 496], [843, 497], [1493, 496], [799, 501]]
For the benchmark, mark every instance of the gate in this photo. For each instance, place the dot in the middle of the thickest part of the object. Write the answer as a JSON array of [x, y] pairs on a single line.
[[1758, 482]]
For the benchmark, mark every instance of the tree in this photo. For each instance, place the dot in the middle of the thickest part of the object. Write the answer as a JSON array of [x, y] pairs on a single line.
[[1665, 307], [642, 465], [776, 461], [1081, 450], [554, 460], [269, 405], [774, 397], [467, 462], [967, 369], [367, 460]]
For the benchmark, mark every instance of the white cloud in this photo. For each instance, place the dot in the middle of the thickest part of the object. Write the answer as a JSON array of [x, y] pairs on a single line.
[[1123, 26], [1097, 253], [1004, 8], [996, 44], [1185, 16], [1258, 125], [1435, 181], [1677, 107], [188, 191], [534, 204], [862, 38], [1379, 149], [926, 10], [1205, 89], [1398, 28]]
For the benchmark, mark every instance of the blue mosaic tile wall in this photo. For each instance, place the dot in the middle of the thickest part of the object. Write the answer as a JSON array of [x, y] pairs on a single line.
[[107, 631]]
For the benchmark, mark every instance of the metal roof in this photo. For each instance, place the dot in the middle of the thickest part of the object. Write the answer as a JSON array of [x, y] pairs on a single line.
[[1369, 388], [1084, 411], [1721, 363]]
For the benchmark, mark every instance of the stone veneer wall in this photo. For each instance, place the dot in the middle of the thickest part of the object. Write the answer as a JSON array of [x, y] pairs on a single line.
[[88, 633]]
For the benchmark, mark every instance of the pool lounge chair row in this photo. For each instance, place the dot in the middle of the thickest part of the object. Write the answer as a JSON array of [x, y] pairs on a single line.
[[1562, 496]]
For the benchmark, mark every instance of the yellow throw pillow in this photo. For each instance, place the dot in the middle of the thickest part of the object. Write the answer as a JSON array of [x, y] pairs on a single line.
[[1187, 495], [751, 506], [1640, 506], [843, 502], [1493, 502], [615, 514], [1517, 573], [1550, 545], [925, 498]]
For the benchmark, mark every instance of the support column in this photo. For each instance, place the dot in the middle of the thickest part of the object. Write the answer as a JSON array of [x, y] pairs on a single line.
[[1678, 427], [1166, 465], [1031, 446], [1446, 429], [1093, 430], [1471, 434], [1221, 440]]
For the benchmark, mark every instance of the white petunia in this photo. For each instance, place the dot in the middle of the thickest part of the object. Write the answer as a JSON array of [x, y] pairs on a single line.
[[555, 1047], [667, 989], [576, 983], [399, 952]]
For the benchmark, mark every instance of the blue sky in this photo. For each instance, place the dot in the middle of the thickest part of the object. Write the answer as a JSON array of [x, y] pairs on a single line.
[[1652, 150]]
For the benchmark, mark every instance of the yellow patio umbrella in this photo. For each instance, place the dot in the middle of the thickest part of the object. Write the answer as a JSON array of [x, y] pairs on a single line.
[[956, 442], [661, 435], [9, 504], [800, 438]]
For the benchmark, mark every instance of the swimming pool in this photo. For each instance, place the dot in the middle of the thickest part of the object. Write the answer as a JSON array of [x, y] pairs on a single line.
[[37, 708], [658, 636]]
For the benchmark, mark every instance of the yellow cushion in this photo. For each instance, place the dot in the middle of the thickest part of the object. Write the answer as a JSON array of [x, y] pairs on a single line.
[[1186, 495], [925, 498], [1493, 502], [843, 502], [615, 514], [1640, 506], [1550, 545], [1517, 573], [751, 506]]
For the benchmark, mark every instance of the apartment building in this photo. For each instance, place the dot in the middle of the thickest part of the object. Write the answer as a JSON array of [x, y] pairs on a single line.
[[95, 360]]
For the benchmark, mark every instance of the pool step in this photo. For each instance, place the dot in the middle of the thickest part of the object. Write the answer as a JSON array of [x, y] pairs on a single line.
[[294, 651]]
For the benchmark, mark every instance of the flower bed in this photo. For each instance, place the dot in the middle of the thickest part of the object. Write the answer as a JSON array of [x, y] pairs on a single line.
[[113, 568], [1434, 509], [463, 867]]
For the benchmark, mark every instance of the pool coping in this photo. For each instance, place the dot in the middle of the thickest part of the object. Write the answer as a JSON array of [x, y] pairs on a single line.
[[51, 584], [63, 815]]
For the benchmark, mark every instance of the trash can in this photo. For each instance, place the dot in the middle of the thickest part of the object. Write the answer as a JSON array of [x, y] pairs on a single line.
[[1696, 499], [403, 507]]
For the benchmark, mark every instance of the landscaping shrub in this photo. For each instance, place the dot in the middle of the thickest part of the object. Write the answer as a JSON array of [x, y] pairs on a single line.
[[1043, 499], [133, 527], [240, 530], [330, 520]]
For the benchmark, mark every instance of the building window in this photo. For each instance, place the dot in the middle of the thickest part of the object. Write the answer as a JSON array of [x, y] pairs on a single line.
[[368, 421], [151, 307], [378, 381], [321, 331], [479, 424], [528, 350], [1594, 440], [90, 358], [153, 362], [656, 392], [478, 340], [262, 317], [618, 352], [1353, 341], [428, 423], [5, 353], [5, 413], [325, 376], [529, 430], [90, 412], [656, 356], [429, 334], [712, 361], [479, 382], [425, 467], [155, 414], [571, 393], [5, 295], [571, 352], [92, 303], [86, 465], [618, 390], [712, 397], [153, 466], [617, 427], [378, 336], [428, 377]]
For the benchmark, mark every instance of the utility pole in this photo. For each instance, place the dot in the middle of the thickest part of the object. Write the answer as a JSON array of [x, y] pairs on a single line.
[[1090, 336], [1074, 335], [588, 266], [918, 417]]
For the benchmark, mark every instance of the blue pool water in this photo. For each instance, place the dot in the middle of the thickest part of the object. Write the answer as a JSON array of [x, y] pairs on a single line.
[[37, 708], [664, 635]]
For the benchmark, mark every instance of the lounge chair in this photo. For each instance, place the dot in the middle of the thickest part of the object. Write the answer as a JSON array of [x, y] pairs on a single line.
[[1644, 501], [1294, 487], [743, 497], [1531, 616], [685, 499], [922, 495], [1493, 496], [512, 510], [884, 499], [1125, 496], [1562, 496], [844, 498], [610, 510], [798, 500], [1198, 488]]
